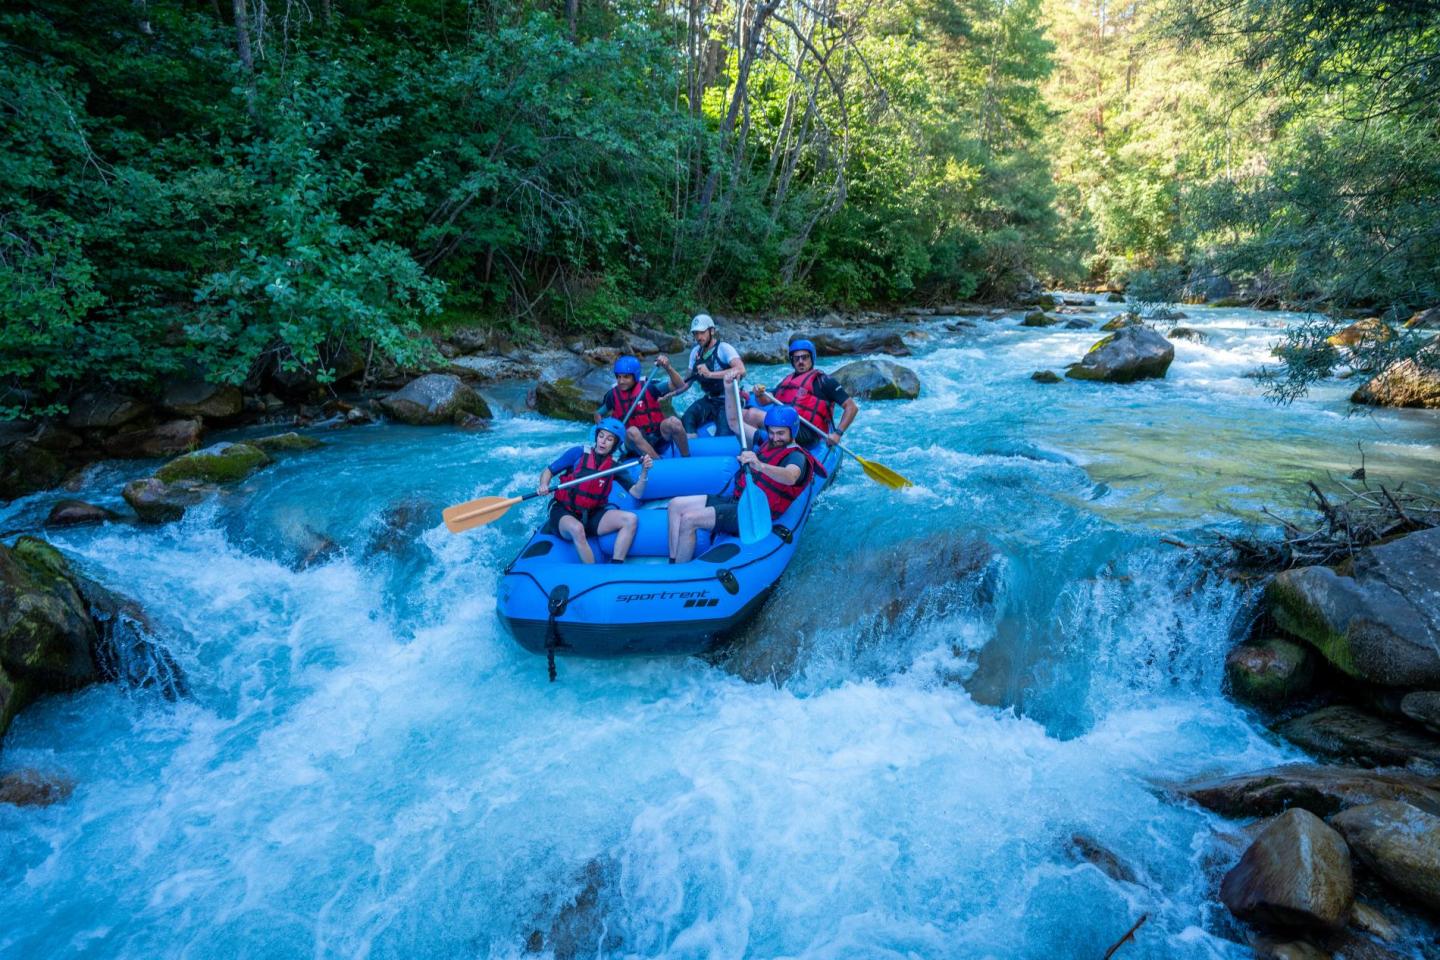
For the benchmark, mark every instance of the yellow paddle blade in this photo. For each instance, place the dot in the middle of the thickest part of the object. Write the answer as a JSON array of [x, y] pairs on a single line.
[[883, 474], [477, 513]]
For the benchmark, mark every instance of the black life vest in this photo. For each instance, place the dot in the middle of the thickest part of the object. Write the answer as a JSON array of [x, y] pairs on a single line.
[[710, 387], [798, 390], [780, 495], [592, 493], [647, 415]]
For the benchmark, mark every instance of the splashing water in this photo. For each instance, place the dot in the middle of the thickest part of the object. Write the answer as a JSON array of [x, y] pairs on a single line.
[[949, 685]]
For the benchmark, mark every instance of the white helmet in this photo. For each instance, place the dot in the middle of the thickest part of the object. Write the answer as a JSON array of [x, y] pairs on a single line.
[[702, 321]]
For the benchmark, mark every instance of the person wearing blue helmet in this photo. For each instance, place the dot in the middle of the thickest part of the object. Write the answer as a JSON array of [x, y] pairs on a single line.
[[811, 392], [781, 468], [648, 431], [584, 510]]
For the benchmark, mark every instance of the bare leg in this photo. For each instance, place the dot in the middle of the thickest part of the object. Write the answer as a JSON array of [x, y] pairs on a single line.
[[638, 443], [677, 507], [673, 430], [691, 521], [622, 523], [574, 531]]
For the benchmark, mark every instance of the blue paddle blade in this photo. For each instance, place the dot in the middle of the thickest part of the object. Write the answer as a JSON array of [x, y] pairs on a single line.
[[754, 513]]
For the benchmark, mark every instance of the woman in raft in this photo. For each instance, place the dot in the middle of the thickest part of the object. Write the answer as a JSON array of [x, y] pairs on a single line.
[[584, 510]]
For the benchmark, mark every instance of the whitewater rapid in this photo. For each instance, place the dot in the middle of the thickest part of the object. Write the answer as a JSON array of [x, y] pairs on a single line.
[[367, 767]]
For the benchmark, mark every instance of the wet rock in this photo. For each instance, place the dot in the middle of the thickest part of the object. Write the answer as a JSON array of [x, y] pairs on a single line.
[[1369, 330], [768, 350], [164, 440], [31, 788], [1188, 333], [602, 356], [217, 463], [1346, 733], [1370, 920], [128, 650], [1113, 297], [1295, 874], [45, 628], [401, 525], [1323, 790], [1399, 844], [196, 398], [1269, 672], [1121, 321], [1267, 948], [878, 380], [434, 398], [311, 548], [568, 399], [77, 513], [1166, 315], [960, 326], [1424, 320], [1045, 376], [579, 926], [1422, 706], [1083, 848], [155, 501], [1078, 301], [1075, 323], [26, 467], [1405, 383], [288, 442], [1383, 623], [1039, 318], [833, 342], [1134, 353], [104, 411]]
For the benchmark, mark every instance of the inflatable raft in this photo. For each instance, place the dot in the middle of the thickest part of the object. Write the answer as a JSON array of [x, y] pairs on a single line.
[[554, 604]]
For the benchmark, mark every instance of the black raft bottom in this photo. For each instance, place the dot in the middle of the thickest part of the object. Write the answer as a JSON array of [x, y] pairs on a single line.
[[604, 640]]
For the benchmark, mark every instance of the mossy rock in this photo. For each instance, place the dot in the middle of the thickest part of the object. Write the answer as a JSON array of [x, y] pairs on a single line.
[[1270, 672], [286, 442], [15, 695], [567, 399], [1045, 376], [218, 463], [1039, 318], [1120, 322], [46, 633], [25, 468]]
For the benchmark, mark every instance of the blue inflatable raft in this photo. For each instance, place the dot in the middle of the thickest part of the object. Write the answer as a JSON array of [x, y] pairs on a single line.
[[553, 603]]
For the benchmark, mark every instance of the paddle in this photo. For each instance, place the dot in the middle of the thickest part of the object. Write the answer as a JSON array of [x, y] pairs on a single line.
[[644, 385], [477, 513], [875, 471], [754, 509]]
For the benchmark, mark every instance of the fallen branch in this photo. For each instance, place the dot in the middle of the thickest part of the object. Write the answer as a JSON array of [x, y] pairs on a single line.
[[1129, 935]]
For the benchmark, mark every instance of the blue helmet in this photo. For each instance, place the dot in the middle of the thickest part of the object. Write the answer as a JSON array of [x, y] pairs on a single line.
[[780, 416], [628, 364], [613, 427], [803, 346]]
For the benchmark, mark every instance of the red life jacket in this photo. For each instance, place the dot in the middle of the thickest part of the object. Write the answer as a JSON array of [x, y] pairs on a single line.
[[647, 415], [592, 493], [780, 495], [797, 390]]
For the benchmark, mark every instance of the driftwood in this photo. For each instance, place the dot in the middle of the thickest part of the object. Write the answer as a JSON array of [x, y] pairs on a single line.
[[1345, 520], [1129, 936]]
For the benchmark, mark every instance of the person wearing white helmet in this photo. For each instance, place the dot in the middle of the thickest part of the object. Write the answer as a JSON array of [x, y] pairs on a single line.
[[710, 360]]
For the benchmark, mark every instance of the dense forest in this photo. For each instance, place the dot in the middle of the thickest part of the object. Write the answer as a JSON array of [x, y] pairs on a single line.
[[202, 187]]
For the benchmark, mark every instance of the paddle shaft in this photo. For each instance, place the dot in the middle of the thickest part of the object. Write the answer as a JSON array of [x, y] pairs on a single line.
[[507, 504], [824, 434], [644, 385]]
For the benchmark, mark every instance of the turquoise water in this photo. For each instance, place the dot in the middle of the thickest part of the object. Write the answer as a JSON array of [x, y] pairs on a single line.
[[950, 683]]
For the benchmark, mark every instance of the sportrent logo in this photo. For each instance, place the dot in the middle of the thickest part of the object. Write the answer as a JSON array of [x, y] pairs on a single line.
[[694, 598]]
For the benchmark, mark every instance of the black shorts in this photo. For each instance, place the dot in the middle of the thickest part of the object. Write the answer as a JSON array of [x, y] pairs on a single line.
[[589, 518], [656, 441], [706, 409], [727, 514]]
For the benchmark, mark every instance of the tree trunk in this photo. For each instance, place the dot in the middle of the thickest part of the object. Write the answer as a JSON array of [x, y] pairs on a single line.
[[242, 37]]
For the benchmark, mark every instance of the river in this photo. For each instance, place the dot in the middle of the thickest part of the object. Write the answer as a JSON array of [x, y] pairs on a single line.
[[367, 766]]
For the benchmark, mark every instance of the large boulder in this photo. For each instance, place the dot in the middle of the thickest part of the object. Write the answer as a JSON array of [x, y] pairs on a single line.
[[1346, 733], [1369, 330], [217, 463], [104, 411], [1269, 672], [764, 350], [1134, 353], [196, 398], [878, 380], [1322, 790], [1201, 288], [1412, 382], [26, 467], [155, 501], [435, 398], [1422, 706], [1039, 318], [1398, 843], [1188, 333], [1381, 623], [1295, 874], [573, 399], [287, 442], [1122, 320], [162, 440]]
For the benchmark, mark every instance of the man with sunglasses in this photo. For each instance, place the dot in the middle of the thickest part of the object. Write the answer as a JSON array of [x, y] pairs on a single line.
[[711, 361], [813, 393]]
